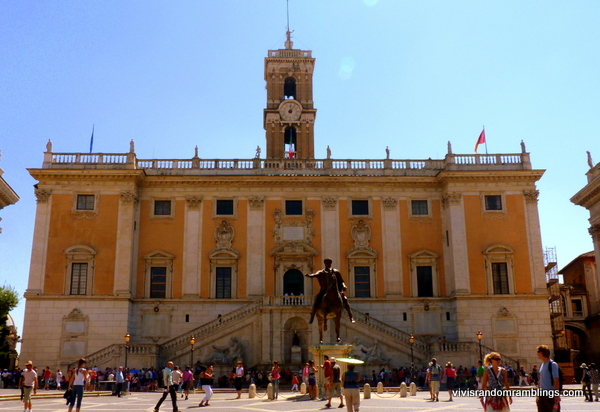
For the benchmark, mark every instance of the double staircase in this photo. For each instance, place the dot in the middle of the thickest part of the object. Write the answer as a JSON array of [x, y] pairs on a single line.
[[393, 339]]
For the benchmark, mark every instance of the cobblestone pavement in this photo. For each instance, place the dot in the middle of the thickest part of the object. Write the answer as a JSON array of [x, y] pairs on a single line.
[[144, 402]]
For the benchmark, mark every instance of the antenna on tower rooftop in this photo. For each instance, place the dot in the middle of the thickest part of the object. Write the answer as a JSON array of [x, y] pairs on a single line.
[[288, 43]]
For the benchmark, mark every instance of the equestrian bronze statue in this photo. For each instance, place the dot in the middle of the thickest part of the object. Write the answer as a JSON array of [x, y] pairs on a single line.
[[331, 300]]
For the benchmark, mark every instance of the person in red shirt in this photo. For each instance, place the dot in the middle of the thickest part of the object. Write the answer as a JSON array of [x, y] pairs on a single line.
[[327, 373], [295, 383], [47, 376], [450, 373]]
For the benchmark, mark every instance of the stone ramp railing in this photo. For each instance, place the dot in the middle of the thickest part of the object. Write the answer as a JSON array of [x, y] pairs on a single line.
[[170, 347], [471, 348], [115, 353], [421, 347]]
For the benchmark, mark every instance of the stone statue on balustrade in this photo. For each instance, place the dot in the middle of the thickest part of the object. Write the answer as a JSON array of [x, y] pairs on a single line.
[[227, 354], [374, 355]]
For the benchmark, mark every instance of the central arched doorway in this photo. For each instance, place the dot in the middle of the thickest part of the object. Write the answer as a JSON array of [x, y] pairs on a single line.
[[293, 283]]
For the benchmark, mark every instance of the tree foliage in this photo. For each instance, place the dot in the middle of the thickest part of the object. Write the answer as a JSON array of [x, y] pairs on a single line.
[[9, 299]]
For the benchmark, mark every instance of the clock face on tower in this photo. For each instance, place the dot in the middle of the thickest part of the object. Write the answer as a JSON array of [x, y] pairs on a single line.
[[290, 110]]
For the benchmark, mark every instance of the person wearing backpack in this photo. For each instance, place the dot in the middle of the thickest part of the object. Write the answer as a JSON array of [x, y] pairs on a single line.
[[433, 378], [586, 383], [549, 373]]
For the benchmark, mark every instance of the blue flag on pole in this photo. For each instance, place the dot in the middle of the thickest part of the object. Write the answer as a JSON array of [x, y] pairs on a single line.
[[92, 140]]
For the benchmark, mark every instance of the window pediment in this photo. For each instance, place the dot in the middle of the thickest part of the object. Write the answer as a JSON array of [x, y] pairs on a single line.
[[80, 250]]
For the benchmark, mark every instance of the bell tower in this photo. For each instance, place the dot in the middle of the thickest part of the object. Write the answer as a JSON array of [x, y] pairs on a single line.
[[289, 117]]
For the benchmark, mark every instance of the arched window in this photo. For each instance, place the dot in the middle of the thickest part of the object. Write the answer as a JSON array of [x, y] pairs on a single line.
[[289, 88], [293, 283], [289, 143]]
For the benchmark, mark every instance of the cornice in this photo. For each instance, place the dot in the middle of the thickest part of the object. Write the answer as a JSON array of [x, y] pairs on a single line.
[[70, 175], [448, 176], [589, 195]]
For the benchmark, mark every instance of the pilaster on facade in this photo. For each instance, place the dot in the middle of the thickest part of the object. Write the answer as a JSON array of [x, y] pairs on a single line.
[[392, 243], [192, 247], [330, 230], [125, 239], [534, 243], [40, 243], [255, 245], [456, 251]]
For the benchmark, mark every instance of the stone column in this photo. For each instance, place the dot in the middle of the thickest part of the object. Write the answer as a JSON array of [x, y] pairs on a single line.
[[534, 242], [456, 255], [40, 242], [255, 246], [392, 245], [595, 299], [125, 244], [192, 245], [330, 231]]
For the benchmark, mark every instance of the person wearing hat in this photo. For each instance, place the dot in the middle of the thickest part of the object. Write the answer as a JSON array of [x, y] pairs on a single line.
[[321, 276], [29, 379], [239, 375], [586, 383], [335, 384]]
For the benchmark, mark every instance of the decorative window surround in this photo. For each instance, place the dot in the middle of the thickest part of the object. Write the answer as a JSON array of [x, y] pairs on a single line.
[[159, 258], [424, 257], [80, 254], [499, 254]]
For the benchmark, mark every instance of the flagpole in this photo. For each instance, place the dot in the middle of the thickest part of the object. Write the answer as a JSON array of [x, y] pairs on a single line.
[[92, 139], [486, 152]]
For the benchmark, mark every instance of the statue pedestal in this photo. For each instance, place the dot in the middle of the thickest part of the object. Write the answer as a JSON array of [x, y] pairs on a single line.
[[335, 350], [296, 354]]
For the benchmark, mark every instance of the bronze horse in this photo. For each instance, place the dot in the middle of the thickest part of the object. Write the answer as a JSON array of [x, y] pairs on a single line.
[[331, 307]]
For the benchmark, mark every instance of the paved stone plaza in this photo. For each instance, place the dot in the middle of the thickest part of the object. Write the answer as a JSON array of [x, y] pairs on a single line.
[[144, 402]]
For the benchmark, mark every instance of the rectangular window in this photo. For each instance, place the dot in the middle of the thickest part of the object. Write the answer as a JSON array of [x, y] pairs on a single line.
[[360, 207], [162, 208], [493, 202], [223, 283], [85, 202], [500, 278], [293, 207], [225, 207], [577, 307], [424, 281], [79, 273], [419, 207], [362, 281], [158, 282]]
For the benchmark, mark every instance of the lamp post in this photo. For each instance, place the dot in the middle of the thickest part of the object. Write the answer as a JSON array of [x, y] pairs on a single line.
[[411, 339], [127, 338], [479, 336], [192, 342]]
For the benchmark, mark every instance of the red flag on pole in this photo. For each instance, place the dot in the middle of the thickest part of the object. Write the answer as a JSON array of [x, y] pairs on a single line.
[[480, 140]]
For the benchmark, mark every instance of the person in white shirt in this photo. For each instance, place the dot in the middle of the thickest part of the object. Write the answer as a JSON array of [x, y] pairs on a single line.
[[77, 384], [59, 376], [29, 377]]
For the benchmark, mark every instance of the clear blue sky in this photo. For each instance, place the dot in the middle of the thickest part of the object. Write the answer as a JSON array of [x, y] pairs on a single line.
[[410, 75]]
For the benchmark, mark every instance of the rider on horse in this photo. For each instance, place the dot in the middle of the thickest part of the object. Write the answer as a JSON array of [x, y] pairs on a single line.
[[321, 276]]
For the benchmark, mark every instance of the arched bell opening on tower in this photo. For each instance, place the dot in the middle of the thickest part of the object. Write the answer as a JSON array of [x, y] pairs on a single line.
[[289, 143], [289, 88]]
